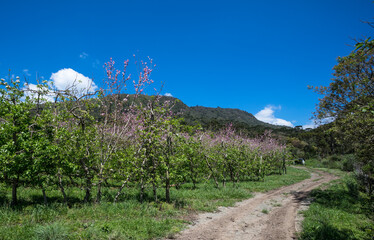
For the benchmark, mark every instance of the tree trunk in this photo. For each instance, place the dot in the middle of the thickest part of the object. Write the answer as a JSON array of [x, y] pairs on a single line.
[[232, 178], [154, 191], [62, 188], [98, 196], [101, 180], [87, 197], [141, 190], [192, 174], [212, 171], [120, 190], [44, 196], [14, 192], [284, 166], [167, 186]]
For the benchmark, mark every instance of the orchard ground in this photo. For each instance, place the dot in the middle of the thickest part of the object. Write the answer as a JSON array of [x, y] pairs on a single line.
[[127, 219]]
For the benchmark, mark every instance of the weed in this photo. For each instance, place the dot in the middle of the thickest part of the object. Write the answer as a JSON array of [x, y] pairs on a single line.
[[54, 231], [339, 212]]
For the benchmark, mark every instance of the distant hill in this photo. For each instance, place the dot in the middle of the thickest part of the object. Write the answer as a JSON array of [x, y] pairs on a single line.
[[216, 118], [200, 113]]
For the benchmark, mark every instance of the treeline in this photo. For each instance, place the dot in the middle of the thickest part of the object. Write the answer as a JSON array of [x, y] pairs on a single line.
[[320, 142], [98, 139]]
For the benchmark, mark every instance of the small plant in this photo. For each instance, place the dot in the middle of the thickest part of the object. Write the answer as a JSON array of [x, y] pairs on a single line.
[[54, 231], [265, 211]]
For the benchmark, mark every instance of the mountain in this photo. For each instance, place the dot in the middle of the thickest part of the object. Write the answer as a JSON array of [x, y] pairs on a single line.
[[216, 118]]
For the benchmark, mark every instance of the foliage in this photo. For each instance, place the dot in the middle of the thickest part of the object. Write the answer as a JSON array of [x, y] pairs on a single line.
[[339, 212], [349, 101], [342, 162], [24, 140], [319, 142], [103, 139]]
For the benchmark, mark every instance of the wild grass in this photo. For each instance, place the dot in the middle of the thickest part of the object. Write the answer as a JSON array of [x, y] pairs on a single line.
[[339, 212], [342, 162], [265, 211], [127, 219]]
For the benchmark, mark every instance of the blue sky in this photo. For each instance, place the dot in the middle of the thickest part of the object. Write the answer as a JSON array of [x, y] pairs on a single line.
[[258, 56]]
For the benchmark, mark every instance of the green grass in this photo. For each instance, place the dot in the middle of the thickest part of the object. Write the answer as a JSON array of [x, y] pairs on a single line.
[[127, 219], [316, 164], [342, 162], [339, 212]]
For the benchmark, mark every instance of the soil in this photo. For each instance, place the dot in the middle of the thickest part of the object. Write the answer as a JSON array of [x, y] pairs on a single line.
[[271, 215]]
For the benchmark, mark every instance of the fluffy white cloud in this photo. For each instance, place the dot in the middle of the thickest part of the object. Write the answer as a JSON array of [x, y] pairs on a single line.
[[67, 78], [267, 115], [168, 95]]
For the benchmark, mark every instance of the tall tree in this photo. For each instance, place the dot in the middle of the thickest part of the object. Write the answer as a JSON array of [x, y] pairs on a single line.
[[15, 135], [349, 102]]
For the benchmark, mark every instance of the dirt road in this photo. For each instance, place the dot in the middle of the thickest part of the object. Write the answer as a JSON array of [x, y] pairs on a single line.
[[271, 215]]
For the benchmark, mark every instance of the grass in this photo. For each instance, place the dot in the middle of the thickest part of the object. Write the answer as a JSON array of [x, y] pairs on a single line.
[[339, 212], [341, 162], [127, 219]]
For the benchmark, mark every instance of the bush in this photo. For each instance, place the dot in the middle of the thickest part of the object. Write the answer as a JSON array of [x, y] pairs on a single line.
[[335, 158], [348, 163], [54, 231], [353, 188], [330, 163]]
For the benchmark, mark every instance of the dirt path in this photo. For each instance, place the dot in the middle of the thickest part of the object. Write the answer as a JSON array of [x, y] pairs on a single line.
[[271, 215]]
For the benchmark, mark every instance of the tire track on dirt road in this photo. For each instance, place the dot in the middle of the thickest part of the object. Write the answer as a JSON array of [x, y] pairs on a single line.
[[270, 215]]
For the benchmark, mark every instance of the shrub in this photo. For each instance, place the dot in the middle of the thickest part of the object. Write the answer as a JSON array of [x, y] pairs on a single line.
[[348, 163], [54, 231]]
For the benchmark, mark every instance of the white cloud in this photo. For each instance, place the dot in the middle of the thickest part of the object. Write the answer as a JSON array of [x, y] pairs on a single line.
[[26, 72], [310, 124], [83, 55], [168, 95], [30, 90], [315, 124], [267, 115], [67, 78]]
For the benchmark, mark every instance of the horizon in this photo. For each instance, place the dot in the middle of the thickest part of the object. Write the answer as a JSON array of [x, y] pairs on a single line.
[[254, 56]]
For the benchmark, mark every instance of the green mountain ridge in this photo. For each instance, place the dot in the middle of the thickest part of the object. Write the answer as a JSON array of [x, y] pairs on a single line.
[[216, 118]]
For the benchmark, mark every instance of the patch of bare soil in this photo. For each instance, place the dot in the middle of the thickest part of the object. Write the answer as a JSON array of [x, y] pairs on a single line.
[[271, 215]]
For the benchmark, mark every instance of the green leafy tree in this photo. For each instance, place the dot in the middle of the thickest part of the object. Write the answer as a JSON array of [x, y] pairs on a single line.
[[349, 101], [15, 135], [42, 148], [77, 138]]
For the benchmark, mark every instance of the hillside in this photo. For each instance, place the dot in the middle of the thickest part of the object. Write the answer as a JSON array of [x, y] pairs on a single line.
[[216, 118]]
